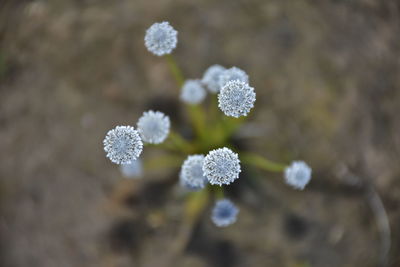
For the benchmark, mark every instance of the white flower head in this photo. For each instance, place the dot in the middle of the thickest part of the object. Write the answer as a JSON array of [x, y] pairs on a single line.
[[193, 92], [161, 38], [153, 127], [123, 144], [298, 174], [211, 78], [232, 74], [133, 169], [236, 98], [224, 213], [221, 166], [191, 176]]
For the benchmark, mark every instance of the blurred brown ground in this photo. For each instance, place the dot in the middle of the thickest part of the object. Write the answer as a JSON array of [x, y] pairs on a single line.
[[328, 92]]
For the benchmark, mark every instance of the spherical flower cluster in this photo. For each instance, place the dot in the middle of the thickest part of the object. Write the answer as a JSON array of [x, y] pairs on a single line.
[[236, 99], [221, 166], [232, 74], [132, 170], [298, 174], [192, 92], [123, 144], [153, 127], [224, 213], [211, 78], [191, 175], [161, 38]]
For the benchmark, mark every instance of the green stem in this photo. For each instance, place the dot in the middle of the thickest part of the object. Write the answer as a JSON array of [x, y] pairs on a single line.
[[176, 71], [261, 162], [165, 161]]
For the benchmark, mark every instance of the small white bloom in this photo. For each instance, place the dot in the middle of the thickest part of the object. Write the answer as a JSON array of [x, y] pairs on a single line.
[[153, 127], [192, 92], [211, 78], [221, 166], [236, 98], [191, 176], [123, 144], [132, 170], [298, 174], [224, 213], [232, 74], [161, 38]]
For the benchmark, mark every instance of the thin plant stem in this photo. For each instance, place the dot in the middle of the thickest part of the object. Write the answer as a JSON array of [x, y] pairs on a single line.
[[261, 162], [176, 71]]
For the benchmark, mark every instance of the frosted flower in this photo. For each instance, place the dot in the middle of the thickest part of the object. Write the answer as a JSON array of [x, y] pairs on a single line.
[[221, 166], [211, 78], [191, 176], [123, 144], [232, 74], [224, 213], [153, 127], [298, 174], [236, 99], [192, 92], [133, 169], [161, 38]]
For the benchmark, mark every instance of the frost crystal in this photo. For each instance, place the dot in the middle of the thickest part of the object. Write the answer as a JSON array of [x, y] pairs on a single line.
[[193, 92], [191, 175], [298, 174], [232, 74], [236, 99], [123, 144], [221, 166], [224, 213], [153, 127], [161, 38], [132, 170], [211, 78]]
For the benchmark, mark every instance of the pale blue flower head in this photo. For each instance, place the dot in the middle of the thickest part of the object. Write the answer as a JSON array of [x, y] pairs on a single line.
[[161, 38], [211, 78], [236, 98], [193, 92], [123, 144], [232, 74], [191, 176], [133, 169], [224, 213], [153, 127], [298, 174], [221, 166]]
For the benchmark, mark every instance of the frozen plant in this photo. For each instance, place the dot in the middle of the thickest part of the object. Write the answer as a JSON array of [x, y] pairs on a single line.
[[232, 74], [161, 38], [221, 166], [298, 174], [193, 92], [123, 144], [153, 127], [191, 176], [236, 99], [224, 213], [133, 169], [211, 78]]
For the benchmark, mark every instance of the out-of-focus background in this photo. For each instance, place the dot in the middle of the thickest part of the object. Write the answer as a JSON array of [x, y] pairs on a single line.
[[327, 79]]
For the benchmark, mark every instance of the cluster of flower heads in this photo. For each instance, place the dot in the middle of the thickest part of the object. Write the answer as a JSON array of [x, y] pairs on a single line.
[[123, 144]]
